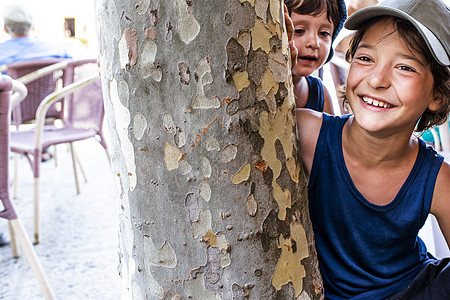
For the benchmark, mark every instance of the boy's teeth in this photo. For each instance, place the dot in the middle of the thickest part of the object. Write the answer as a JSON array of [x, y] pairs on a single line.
[[374, 102]]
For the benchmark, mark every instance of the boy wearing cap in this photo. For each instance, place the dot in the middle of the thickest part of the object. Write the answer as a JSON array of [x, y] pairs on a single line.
[[21, 46], [372, 183]]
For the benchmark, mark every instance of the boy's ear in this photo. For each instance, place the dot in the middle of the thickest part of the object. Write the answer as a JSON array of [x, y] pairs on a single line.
[[436, 102]]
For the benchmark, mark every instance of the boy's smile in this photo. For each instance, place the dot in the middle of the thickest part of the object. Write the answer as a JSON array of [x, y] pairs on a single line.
[[383, 71], [312, 37]]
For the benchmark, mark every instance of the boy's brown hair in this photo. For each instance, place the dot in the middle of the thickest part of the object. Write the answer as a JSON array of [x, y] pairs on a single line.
[[335, 9], [415, 42], [315, 8]]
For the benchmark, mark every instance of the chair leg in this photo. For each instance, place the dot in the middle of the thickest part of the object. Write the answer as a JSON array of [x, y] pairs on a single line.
[[80, 165], [31, 256], [55, 156], [36, 210], [13, 242], [109, 156], [74, 163], [16, 176]]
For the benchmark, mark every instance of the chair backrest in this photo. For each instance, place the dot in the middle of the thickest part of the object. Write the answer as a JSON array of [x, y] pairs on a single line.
[[7, 210], [37, 89], [84, 107]]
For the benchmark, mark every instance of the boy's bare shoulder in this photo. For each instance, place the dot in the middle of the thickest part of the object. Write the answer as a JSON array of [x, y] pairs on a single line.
[[441, 198], [308, 119], [309, 123]]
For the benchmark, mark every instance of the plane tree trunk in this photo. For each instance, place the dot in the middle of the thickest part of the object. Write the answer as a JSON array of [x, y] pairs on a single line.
[[213, 203]]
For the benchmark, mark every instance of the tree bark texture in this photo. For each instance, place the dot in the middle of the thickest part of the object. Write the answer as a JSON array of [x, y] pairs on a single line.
[[213, 204]]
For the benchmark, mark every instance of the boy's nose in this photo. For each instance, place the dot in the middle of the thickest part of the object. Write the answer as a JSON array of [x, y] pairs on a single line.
[[379, 77], [313, 41]]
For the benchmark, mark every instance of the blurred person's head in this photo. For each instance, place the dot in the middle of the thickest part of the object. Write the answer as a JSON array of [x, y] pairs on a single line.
[[17, 20], [355, 5]]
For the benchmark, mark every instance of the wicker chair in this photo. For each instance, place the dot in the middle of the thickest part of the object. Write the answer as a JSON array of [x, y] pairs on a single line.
[[17, 229], [38, 89], [82, 119]]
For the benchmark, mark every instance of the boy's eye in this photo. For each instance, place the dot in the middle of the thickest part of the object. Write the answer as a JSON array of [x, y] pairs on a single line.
[[406, 68], [325, 33], [299, 31], [364, 58]]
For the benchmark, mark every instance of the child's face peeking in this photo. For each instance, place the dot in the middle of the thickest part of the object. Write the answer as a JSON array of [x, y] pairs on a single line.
[[389, 86], [313, 38]]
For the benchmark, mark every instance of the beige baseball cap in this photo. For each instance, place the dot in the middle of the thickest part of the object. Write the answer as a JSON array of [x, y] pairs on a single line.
[[430, 17]]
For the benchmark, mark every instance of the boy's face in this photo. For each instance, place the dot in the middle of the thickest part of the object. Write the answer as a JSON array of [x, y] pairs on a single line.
[[389, 86], [313, 38]]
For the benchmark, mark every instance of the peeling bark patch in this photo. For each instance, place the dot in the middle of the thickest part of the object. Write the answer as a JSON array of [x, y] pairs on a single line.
[[228, 153], [169, 34], [251, 205], [221, 242], [211, 144], [244, 39], [172, 156], [180, 138], [261, 36], [268, 82], [128, 48], [142, 6], [241, 80], [242, 175], [289, 267], [203, 225], [227, 19], [271, 132], [139, 126], [206, 168], [205, 191], [225, 260], [196, 289], [210, 239], [257, 63], [147, 59], [191, 205], [150, 33], [187, 25], [278, 65], [213, 269], [154, 17], [163, 257], [261, 165], [252, 2], [184, 167], [275, 11], [236, 56], [184, 72], [168, 123], [203, 74], [261, 8], [123, 118]]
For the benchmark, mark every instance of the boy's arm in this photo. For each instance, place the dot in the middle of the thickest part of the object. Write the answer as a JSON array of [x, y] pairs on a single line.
[[440, 206], [309, 123], [328, 102]]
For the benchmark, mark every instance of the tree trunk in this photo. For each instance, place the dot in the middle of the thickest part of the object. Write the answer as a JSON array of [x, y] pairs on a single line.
[[199, 100]]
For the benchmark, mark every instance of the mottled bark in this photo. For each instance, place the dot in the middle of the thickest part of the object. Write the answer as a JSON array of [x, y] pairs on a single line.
[[213, 201]]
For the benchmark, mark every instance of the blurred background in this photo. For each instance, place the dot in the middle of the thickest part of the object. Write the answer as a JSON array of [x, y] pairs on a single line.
[[72, 22]]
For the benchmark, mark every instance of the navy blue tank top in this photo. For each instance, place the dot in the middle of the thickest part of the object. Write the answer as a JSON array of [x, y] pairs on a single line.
[[367, 251], [316, 97]]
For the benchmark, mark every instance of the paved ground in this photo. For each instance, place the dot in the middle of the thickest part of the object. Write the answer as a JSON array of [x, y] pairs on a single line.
[[79, 240]]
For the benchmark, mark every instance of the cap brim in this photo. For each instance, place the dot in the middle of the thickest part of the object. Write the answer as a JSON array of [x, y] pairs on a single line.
[[355, 20]]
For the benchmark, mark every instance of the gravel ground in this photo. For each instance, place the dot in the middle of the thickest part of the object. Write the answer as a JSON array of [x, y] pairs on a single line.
[[78, 247]]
